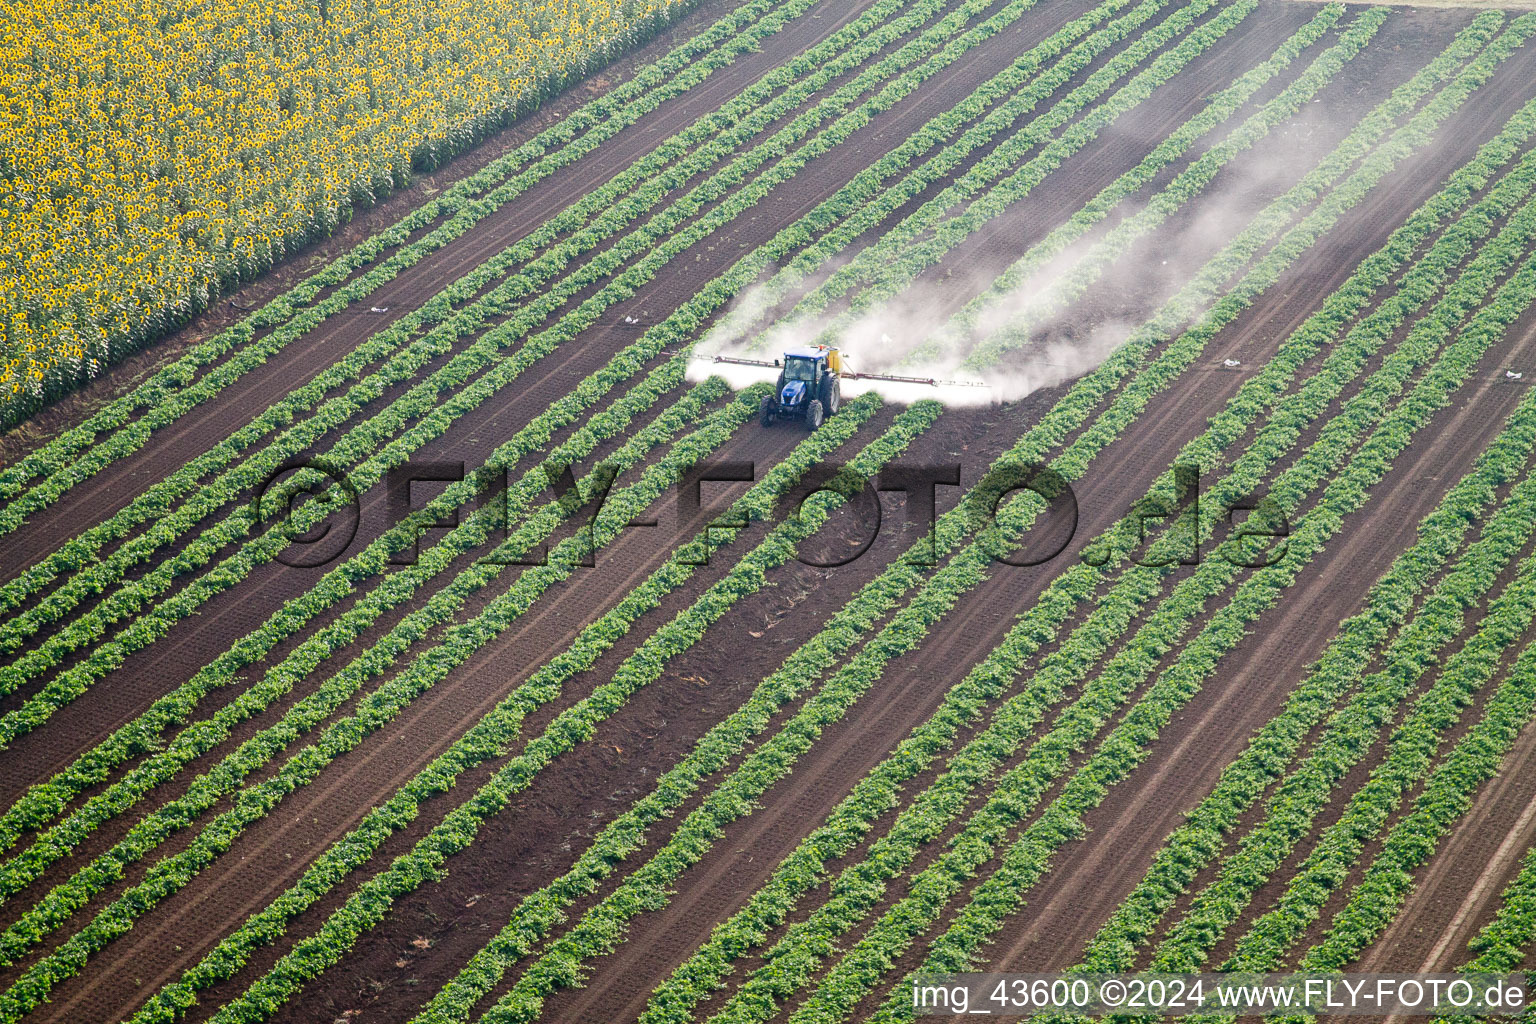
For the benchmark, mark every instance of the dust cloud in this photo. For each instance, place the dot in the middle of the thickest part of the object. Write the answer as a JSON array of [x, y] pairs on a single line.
[[1063, 307]]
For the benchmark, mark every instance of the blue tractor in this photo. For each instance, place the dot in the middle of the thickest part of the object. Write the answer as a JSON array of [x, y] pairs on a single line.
[[807, 389]]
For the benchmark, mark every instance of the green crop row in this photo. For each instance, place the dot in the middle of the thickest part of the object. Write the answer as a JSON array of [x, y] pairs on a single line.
[[922, 239], [1185, 186], [459, 642], [490, 737], [795, 959], [1029, 856], [1195, 843]]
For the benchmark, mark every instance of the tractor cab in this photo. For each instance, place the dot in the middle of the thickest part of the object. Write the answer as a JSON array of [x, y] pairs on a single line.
[[801, 377], [807, 366]]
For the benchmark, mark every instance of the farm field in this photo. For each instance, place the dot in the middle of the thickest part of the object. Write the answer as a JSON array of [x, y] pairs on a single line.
[[458, 622]]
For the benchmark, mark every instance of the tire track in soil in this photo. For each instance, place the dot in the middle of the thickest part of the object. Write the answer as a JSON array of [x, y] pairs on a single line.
[[1486, 848]]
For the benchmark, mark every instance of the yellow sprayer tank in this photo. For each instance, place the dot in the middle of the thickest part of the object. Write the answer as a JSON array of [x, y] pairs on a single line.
[[834, 361]]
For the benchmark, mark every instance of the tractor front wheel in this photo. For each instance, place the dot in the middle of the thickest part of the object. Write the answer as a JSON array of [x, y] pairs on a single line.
[[814, 414], [765, 410]]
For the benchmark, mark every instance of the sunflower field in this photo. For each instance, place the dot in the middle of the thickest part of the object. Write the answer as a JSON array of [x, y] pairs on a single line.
[[151, 154]]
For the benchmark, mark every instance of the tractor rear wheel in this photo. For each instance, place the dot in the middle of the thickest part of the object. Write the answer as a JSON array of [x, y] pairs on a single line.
[[831, 394], [814, 414]]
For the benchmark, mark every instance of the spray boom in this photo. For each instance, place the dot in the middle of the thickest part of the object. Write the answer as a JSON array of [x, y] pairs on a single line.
[[844, 372]]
